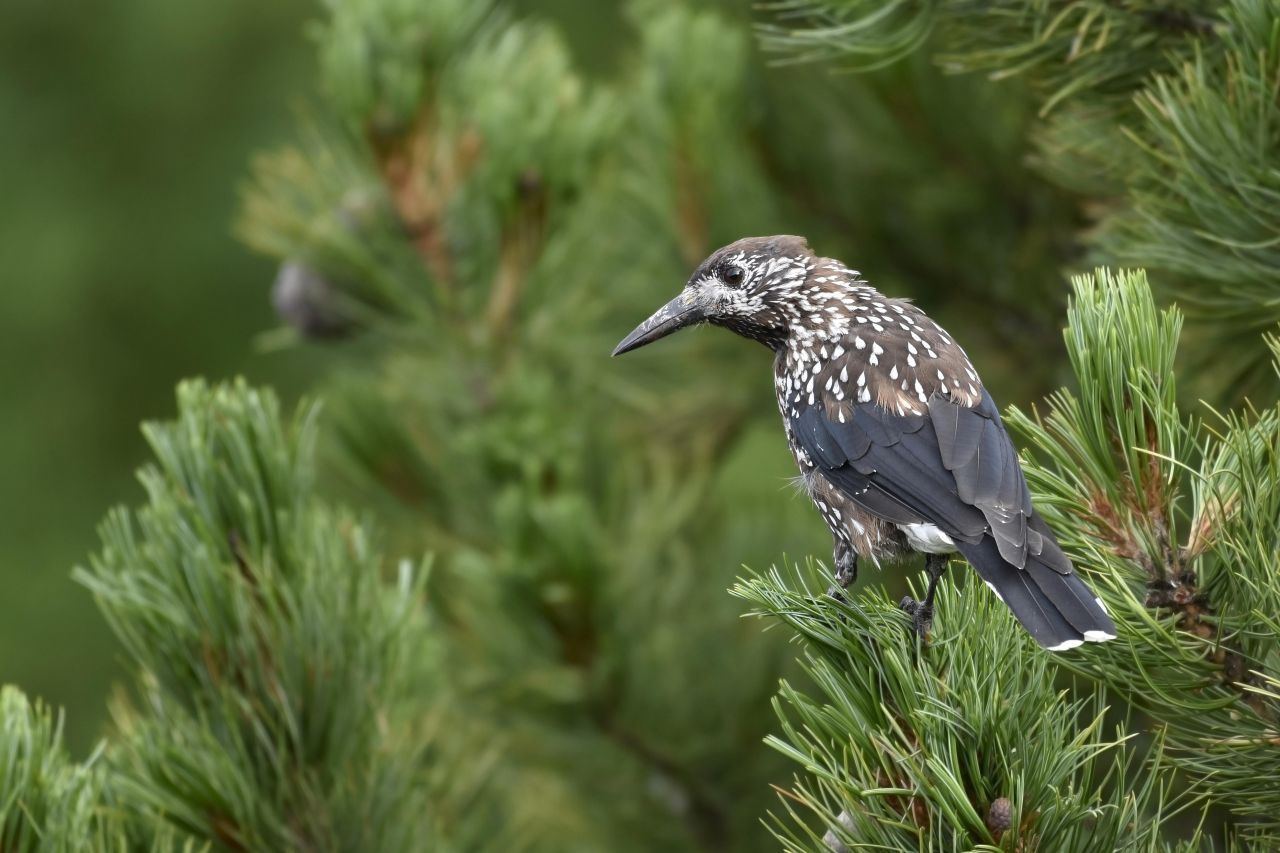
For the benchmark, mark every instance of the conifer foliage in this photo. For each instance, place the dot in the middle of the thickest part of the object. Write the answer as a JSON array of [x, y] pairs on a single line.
[[1165, 113], [523, 641], [46, 800], [272, 659]]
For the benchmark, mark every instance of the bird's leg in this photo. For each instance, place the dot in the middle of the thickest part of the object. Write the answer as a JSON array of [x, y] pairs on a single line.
[[846, 563], [922, 611]]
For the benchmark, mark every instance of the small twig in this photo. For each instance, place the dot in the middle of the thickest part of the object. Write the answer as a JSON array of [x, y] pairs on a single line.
[[422, 177], [1171, 586], [236, 545], [520, 247]]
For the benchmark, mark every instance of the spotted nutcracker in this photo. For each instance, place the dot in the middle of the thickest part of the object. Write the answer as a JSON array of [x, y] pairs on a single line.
[[899, 444]]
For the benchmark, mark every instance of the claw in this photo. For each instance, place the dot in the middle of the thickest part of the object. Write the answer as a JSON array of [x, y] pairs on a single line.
[[921, 615]]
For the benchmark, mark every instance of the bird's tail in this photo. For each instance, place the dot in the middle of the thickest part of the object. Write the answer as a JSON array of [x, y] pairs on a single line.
[[1055, 607]]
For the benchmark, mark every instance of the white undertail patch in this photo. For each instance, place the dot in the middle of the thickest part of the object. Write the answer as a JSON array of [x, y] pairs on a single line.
[[927, 538]]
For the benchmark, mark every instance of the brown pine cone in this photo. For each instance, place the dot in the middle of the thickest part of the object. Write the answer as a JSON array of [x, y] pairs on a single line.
[[1000, 816]]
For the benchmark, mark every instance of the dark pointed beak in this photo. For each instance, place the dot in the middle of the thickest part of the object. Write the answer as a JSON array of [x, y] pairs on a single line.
[[680, 312]]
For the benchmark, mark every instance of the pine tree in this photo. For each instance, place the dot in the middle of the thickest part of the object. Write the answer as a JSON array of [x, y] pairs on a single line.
[[523, 640]]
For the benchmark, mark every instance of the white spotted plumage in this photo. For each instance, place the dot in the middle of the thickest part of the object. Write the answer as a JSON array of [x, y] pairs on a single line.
[[836, 348]]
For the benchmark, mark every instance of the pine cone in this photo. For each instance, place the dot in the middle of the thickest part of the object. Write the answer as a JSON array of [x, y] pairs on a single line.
[[306, 300], [1000, 816]]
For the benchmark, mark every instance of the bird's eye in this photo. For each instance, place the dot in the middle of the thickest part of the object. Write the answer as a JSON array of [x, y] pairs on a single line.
[[733, 275]]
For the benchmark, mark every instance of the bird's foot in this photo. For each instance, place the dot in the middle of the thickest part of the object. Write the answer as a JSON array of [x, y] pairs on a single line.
[[846, 574], [846, 563], [921, 615]]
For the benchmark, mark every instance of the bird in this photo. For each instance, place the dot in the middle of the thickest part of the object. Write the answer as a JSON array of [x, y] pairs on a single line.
[[899, 443]]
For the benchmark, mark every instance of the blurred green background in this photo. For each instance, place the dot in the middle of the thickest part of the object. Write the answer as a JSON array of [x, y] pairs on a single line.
[[125, 130]]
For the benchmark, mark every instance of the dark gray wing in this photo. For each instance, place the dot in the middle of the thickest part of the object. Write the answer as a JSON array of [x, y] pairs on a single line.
[[953, 467]]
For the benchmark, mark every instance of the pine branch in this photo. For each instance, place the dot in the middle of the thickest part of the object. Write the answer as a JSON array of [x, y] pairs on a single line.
[[1204, 191], [272, 661], [1175, 521], [964, 744], [1067, 50], [47, 802]]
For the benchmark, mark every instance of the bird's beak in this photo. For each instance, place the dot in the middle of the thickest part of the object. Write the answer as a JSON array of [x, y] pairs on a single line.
[[684, 310]]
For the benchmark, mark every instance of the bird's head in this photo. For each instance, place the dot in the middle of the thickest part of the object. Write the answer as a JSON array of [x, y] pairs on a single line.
[[745, 286]]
